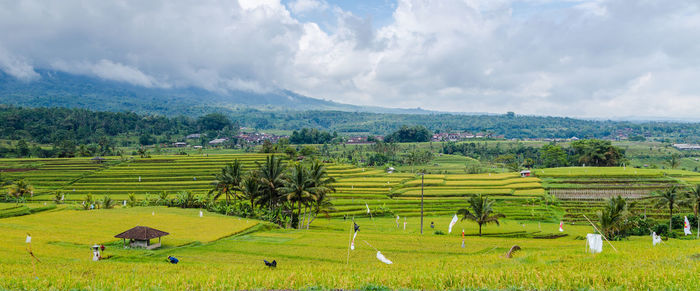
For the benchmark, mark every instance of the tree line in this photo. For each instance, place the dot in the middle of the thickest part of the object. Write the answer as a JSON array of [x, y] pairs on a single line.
[[74, 132], [590, 152], [278, 189]]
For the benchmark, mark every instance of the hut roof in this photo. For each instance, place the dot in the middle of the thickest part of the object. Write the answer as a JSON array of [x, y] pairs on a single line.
[[142, 233]]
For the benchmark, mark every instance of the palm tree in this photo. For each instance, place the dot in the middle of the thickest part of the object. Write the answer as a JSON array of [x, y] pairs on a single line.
[[668, 198], [613, 217], [481, 211], [298, 188], [322, 184], [674, 161], [693, 199], [20, 189], [323, 205], [228, 181], [250, 189], [271, 179]]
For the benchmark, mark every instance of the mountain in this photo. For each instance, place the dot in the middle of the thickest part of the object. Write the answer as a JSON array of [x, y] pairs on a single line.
[[59, 89]]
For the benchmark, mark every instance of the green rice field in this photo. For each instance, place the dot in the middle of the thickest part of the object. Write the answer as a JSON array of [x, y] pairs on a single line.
[[220, 252]]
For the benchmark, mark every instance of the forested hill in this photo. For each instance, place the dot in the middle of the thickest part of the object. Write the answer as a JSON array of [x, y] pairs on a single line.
[[506, 125], [59, 89], [283, 110], [49, 125]]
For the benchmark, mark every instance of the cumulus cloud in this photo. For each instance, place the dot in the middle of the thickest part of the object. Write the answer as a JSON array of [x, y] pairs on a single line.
[[587, 58], [304, 6]]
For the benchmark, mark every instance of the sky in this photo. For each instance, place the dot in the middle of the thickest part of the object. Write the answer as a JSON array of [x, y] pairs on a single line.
[[579, 58]]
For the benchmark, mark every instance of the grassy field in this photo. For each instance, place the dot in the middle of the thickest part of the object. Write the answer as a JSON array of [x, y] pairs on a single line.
[[218, 252]]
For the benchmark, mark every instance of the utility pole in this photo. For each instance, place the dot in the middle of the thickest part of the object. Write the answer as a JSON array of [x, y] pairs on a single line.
[[422, 177]]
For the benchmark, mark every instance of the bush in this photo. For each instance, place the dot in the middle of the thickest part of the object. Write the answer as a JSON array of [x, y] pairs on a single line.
[[107, 202], [678, 222], [642, 225]]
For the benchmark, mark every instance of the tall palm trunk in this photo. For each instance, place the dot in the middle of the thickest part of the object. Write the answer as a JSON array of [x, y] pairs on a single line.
[[299, 214], [670, 218], [698, 220], [479, 229]]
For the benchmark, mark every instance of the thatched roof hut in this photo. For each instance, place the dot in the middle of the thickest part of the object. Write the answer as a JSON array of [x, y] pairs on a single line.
[[141, 236]]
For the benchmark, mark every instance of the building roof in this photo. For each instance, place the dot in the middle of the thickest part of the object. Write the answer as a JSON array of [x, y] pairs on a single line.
[[218, 140], [142, 233]]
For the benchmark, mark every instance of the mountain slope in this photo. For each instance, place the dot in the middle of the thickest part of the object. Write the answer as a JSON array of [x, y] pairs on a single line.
[[75, 91]]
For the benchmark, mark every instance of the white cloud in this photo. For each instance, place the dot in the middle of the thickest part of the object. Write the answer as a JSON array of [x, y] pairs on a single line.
[[304, 6], [16, 66], [109, 70], [589, 58]]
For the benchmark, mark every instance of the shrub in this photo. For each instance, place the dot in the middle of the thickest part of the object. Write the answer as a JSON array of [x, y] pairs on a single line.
[[107, 202]]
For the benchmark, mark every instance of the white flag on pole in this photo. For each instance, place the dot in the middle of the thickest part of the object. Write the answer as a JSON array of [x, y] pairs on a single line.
[[383, 258], [452, 223], [686, 226], [655, 239], [561, 226], [201, 214], [368, 212], [357, 229], [29, 239]]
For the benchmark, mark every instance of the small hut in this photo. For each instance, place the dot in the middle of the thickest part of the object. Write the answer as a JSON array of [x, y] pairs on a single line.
[[525, 173], [98, 160], [141, 236]]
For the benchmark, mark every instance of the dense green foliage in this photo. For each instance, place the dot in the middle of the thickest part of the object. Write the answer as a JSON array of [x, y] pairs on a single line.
[[311, 136], [409, 134], [597, 153], [82, 132]]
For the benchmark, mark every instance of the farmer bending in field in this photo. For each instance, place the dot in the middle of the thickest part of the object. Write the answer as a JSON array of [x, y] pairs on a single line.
[[173, 260]]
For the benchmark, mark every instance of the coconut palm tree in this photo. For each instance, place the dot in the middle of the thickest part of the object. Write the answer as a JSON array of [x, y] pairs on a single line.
[[670, 197], [693, 199], [298, 188], [271, 175], [228, 181], [250, 189], [613, 217], [322, 185], [480, 211], [20, 189], [323, 205]]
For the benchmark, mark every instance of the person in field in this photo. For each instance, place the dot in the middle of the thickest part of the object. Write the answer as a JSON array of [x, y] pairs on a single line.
[[173, 260]]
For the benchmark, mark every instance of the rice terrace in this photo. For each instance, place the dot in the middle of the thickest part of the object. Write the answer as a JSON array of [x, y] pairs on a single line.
[[218, 251], [349, 145]]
